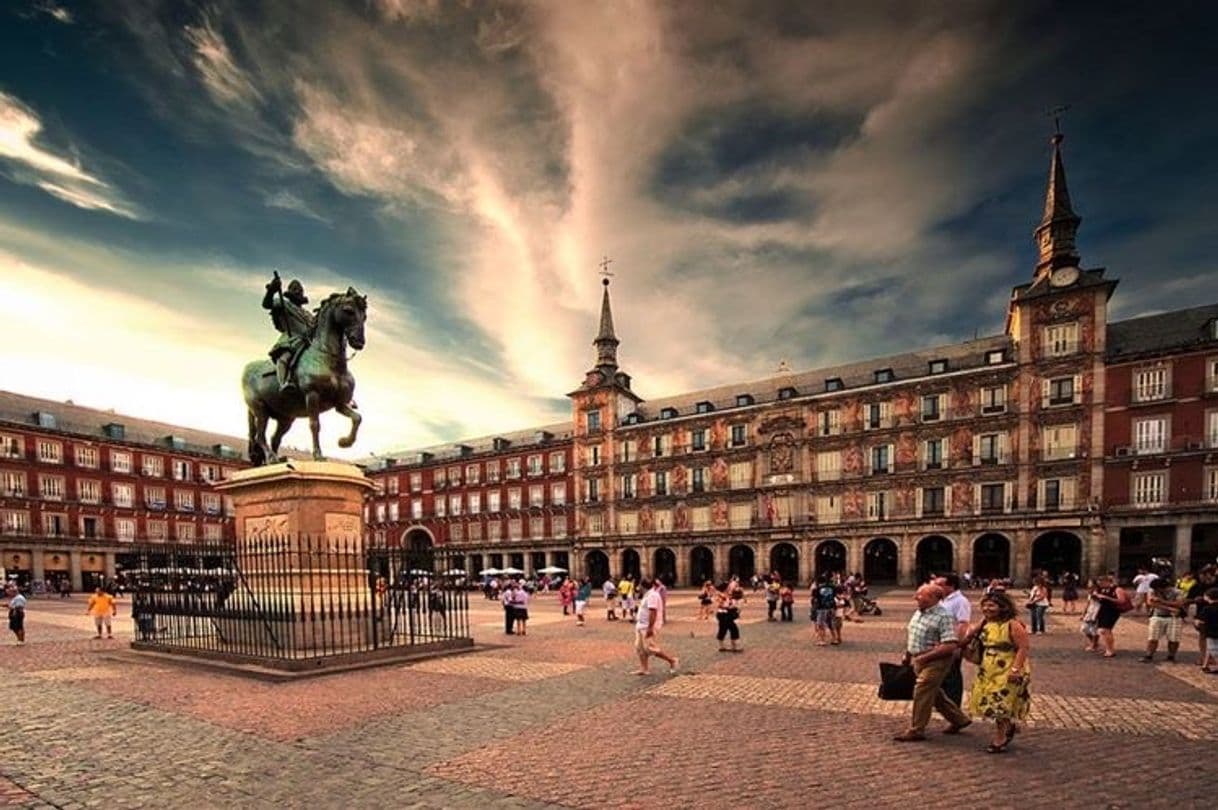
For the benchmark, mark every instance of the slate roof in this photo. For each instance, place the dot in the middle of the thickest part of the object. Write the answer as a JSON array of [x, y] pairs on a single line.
[[959, 356], [1167, 331], [21, 410], [450, 451]]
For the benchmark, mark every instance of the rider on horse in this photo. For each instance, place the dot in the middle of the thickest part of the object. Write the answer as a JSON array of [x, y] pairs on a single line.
[[295, 325]]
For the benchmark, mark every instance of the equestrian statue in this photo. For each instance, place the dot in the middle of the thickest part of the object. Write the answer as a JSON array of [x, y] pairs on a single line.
[[306, 374]]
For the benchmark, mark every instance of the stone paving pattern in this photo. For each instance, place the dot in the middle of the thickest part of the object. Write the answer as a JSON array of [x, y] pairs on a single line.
[[556, 719]]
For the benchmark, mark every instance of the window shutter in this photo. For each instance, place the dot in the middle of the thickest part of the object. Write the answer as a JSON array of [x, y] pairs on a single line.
[[1006, 496], [1078, 388], [976, 450], [947, 499], [976, 499], [891, 456], [1067, 493], [1002, 448], [1044, 393], [918, 502], [1040, 496]]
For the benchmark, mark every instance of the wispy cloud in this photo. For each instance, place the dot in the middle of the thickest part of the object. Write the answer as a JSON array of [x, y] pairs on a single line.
[[27, 161], [212, 58], [287, 201]]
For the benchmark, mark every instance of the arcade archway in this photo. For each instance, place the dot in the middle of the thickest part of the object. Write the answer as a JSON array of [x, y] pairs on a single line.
[[880, 561], [596, 567], [664, 566], [701, 566], [784, 560], [991, 557], [741, 562], [830, 558], [934, 556], [1057, 553], [631, 565]]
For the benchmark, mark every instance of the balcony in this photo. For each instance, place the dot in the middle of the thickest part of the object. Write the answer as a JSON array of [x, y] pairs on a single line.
[[994, 409]]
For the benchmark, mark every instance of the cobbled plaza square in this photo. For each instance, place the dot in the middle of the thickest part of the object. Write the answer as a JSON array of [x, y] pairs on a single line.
[[557, 719]]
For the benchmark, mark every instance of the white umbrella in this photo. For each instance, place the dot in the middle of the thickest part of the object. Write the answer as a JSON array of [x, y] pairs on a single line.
[[456, 572], [511, 571], [551, 569], [419, 572], [489, 572]]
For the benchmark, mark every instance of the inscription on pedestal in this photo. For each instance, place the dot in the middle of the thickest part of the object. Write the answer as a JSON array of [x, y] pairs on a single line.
[[266, 527], [341, 529]]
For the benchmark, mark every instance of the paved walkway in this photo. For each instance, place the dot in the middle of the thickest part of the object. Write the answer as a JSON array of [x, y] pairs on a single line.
[[556, 719]]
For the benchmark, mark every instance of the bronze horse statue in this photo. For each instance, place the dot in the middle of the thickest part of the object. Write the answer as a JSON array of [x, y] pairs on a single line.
[[322, 380]]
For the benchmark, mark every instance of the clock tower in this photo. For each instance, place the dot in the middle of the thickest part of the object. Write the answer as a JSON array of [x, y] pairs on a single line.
[[1058, 227]]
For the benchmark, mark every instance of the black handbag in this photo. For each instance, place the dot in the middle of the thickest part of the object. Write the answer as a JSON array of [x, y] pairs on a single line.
[[896, 681]]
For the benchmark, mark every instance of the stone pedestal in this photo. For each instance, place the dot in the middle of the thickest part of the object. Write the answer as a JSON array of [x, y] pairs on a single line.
[[300, 551]]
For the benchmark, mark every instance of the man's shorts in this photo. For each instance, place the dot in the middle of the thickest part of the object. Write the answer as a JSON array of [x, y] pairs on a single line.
[[644, 645], [580, 606], [1211, 646], [99, 621], [1159, 627], [824, 618]]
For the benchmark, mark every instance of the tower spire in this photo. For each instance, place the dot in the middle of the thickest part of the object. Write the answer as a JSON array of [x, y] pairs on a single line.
[[606, 341], [1058, 227]]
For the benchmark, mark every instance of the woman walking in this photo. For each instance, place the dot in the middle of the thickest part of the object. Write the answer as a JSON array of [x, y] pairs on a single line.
[[727, 610], [1113, 601], [1000, 691], [706, 600], [1039, 600], [1069, 594]]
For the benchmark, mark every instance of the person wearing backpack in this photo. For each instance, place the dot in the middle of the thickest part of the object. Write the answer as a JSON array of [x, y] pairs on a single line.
[[1113, 602], [823, 603]]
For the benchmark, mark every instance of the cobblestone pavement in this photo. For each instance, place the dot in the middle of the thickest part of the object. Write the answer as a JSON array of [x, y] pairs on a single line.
[[556, 719]]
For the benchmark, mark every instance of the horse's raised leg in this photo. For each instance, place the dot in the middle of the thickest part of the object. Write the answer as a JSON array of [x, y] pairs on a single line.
[[354, 416], [282, 425], [313, 407]]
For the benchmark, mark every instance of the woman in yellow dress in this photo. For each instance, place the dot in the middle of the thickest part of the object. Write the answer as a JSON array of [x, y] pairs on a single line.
[[1001, 688]]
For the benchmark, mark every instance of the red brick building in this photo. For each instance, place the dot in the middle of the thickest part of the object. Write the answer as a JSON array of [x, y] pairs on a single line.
[[79, 486]]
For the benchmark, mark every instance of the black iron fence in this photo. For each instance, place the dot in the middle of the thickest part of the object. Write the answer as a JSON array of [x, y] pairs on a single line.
[[295, 598]]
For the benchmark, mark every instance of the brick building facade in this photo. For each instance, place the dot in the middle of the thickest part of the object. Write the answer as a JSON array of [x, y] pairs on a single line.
[[78, 487]]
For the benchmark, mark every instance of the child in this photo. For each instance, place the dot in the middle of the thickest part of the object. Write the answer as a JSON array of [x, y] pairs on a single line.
[[1088, 626], [1207, 625], [787, 596]]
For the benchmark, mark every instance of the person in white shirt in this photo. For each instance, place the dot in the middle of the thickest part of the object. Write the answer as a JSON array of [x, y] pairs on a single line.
[[1141, 584], [647, 629], [957, 604]]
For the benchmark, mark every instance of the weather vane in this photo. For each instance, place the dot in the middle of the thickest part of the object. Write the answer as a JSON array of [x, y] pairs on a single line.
[[604, 266], [1056, 115]]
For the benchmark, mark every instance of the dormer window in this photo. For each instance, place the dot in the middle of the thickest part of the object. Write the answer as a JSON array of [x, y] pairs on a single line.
[[833, 384], [884, 375], [668, 413], [633, 419], [743, 399], [938, 366], [787, 393], [704, 407], [45, 420], [995, 357], [1211, 329]]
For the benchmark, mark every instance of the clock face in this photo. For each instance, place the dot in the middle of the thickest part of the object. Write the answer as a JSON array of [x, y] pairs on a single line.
[[1064, 276]]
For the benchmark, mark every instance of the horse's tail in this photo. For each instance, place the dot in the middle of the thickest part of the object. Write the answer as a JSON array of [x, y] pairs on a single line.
[[257, 457]]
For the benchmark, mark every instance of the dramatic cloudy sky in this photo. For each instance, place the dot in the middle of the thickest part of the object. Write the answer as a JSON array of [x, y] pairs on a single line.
[[820, 182]]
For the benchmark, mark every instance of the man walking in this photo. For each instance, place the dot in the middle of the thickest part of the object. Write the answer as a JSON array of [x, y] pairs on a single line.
[[957, 604], [507, 598], [102, 607], [930, 644], [647, 629], [16, 612], [1166, 604]]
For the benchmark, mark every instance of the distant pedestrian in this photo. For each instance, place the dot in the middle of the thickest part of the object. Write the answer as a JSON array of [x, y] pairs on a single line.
[[103, 608], [647, 629], [1113, 602], [823, 598], [16, 612], [930, 644], [1040, 598], [1141, 585], [583, 594], [65, 588], [1069, 594], [771, 599], [786, 596], [509, 611], [1207, 626], [1166, 604], [1088, 627], [610, 591], [706, 600], [566, 595], [520, 610], [727, 611]]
